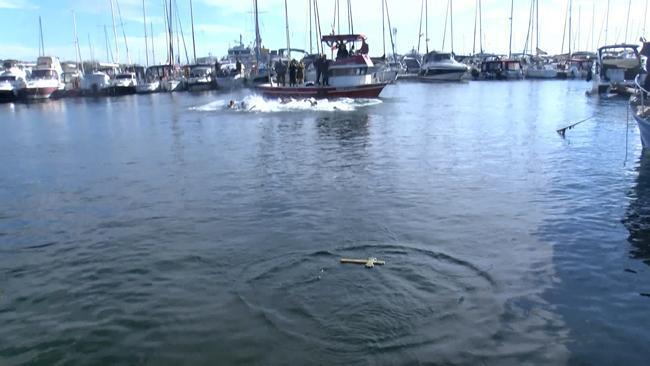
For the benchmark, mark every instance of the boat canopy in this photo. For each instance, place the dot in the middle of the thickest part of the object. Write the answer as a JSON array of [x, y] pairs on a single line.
[[333, 39]]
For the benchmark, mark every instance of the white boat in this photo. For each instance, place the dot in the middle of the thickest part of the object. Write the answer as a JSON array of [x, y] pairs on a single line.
[[385, 71], [411, 68], [44, 80], [11, 81], [228, 78], [495, 68], [173, 84], [349, 76], [123, 83], [438, 66], [615, 68], [98, 82], [147, 87], [541, 70], [200, 78], [640, 106]]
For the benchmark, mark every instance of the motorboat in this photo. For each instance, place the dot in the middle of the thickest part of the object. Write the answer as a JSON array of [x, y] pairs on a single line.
[[580, 64], [350, 75], [124, 83], [411, 68], [615, 69], [386, 71], [98, 82], [44, 80], [496, 68], [640, 107], [437, 66], [200, 78], [11, 80]]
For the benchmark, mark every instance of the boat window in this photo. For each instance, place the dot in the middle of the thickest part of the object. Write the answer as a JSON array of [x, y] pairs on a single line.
[[43, 74], [124, 76]]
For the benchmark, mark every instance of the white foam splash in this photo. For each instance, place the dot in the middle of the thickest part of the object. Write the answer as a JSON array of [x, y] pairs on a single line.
[[258, 104]]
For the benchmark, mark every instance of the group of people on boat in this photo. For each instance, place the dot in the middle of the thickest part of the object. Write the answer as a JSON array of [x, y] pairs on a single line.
[[296, 71], [342, 50]]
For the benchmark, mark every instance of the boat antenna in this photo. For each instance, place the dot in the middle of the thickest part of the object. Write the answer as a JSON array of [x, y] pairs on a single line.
[[193, 39], [117, 49], [627, 20], [512, 8], [146, 41], [41, 50]]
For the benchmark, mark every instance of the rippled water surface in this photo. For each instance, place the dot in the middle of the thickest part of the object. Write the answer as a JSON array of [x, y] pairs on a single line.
[[170, 230]]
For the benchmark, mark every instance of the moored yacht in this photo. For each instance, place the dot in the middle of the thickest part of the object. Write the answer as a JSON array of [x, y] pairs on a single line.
[[124, 83], [500, 69], [11, 80], [44, 80], [438, 66], [200, 78], [541, 68], [350, 75], [615, 68]]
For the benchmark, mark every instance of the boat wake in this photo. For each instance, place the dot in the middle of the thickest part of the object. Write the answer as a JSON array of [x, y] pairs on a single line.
[[258, 104]]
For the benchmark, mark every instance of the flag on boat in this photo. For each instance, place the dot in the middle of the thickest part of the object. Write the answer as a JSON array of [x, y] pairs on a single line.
[[541, 52]]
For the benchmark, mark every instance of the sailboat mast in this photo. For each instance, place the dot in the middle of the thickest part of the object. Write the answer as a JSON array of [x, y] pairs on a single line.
[[537, 27], [311, 49], [426, 24], [76, 41], [109, 55], [40, 27], [153, 49], [570, 11], [257, 34], [383, 25], [117, 49], [475, 21], [645, 15], [627, 20], [512, 8], [146, 41], [420, 29], [193, 39], [606, 21], [90, 46], [286, 22], [126, 45], [451, 24], [480, 26]]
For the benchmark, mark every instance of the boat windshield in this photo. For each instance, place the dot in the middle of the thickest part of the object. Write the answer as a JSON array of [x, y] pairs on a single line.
[[124, 77], [618, 52], [438, 57], [43, 74], [7, 78]]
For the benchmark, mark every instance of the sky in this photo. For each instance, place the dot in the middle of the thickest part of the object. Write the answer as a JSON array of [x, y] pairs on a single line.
[[219, 23]]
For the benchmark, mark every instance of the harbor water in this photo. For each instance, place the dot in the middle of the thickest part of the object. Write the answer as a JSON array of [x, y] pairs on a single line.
[[167, 229]]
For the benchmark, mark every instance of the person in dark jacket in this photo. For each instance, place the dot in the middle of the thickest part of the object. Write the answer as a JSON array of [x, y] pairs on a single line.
[[364, 48], [318, 66], [292, 73], [325, 68], [342, 52], [300, 73], [281, 72]]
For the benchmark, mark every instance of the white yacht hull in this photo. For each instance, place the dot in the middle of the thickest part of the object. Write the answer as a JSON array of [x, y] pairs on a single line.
[[146, 88], [442, 75]]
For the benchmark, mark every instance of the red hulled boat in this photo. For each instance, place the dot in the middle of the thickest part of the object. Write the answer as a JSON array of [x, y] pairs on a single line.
[[350, 75]]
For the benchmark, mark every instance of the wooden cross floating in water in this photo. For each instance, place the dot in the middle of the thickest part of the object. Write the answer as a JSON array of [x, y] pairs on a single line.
[[369, 263]]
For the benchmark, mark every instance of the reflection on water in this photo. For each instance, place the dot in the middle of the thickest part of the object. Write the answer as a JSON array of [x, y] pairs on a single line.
[[637, 217]]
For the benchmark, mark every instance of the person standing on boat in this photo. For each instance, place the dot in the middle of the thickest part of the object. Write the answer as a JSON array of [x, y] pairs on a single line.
[[281, 72], [342, 52], [300, 73], [325, 69], [318, 64], [364, 48], [238, 66], [292, 73]]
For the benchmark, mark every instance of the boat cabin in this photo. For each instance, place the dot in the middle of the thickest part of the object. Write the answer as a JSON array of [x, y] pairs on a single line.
[[618, 63]]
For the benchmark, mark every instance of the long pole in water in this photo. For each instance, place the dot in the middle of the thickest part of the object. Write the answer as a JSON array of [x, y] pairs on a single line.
[[627, 20], [146, 41], [193, 40], [512, 9], [117, 49], [286, 22]]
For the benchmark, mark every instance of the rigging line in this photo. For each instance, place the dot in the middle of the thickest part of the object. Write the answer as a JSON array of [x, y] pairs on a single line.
[[444, 34], [390, 28], [180, 27], [420, 30]]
